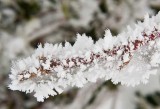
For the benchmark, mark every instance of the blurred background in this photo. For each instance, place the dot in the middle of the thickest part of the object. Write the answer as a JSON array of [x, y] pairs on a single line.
[[26, 23]]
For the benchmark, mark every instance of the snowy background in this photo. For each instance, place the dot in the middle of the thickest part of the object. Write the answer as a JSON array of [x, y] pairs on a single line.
[[26, 23]]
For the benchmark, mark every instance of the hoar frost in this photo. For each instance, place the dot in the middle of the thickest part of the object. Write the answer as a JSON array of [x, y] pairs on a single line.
[[129, 58]]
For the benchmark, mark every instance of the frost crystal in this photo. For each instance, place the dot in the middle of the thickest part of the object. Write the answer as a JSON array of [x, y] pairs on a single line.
[[129, 58]]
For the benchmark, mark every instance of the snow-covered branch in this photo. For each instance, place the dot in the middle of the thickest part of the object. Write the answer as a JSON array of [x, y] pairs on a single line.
[[128, 58]]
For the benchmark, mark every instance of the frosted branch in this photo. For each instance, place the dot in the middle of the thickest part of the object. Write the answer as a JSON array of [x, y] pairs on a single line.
[[128, 58]]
